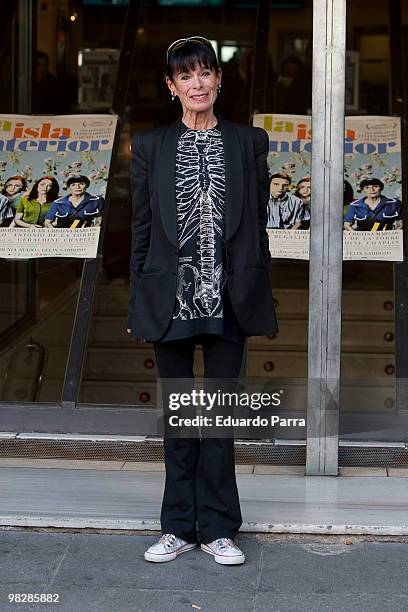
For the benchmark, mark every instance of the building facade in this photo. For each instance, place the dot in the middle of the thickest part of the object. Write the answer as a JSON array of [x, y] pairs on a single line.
[[67, 365]]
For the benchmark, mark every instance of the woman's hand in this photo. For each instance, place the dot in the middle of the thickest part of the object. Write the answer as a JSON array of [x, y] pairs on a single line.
[[18, 221]]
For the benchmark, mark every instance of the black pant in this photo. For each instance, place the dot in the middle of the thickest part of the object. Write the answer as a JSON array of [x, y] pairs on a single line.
[[200, 473]]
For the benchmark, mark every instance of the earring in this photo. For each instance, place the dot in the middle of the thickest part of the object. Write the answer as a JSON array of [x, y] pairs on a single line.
[[219, 88], [173, 96]]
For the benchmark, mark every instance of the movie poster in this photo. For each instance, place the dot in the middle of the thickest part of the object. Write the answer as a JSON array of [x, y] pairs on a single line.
[[372, 204], [372, 208], [53, 177]]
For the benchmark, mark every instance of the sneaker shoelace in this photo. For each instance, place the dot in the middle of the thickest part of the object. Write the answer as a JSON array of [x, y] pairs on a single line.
[[167, 540], [224, 543]]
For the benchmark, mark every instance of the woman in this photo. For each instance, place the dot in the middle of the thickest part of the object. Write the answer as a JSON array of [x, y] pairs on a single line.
[[304, 192], [10, 196], [33, 207], [77, 209], [14, 189], [373, 211], [348, 196], [199, 275]]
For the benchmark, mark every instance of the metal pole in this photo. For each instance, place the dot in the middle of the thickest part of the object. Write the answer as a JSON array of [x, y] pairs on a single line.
[[25, 55], [83, 314], [399, 107], [24, 24], [261, 59], [326, 237]]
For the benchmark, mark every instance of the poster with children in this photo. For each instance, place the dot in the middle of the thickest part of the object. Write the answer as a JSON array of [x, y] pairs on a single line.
[[53, 177], [372, 208]]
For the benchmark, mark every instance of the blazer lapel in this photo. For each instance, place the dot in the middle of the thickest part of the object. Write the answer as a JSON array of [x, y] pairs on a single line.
[[166, 181], [234, 177]]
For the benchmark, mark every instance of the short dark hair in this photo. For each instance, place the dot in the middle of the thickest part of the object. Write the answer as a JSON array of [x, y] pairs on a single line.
[[372, 181], [190, 54], [78, 179], [281, 175]]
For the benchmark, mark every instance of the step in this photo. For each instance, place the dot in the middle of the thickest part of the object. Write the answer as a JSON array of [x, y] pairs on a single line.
[[362, 336], [290, 303], [132, 363]]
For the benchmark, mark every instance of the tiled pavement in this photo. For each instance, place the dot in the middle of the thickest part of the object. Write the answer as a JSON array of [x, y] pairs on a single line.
[[107, 573]]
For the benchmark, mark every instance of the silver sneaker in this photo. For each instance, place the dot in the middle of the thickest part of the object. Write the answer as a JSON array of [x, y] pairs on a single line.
[[224, 551], [167, 548]]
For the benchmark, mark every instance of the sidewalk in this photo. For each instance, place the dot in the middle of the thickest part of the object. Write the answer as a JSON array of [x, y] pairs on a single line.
[[107, 573], [125, 495]]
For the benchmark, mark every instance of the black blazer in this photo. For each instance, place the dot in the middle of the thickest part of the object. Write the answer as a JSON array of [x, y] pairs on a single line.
[[154, 251]]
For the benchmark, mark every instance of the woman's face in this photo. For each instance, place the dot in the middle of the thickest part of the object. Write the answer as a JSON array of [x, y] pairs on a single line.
[[196, 89], [304, 189], [44, 186], [372, 191], [77, 189], [14, 186]]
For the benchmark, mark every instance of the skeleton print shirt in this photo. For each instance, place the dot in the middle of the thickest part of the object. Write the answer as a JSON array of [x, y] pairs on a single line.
[[200, 198]]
